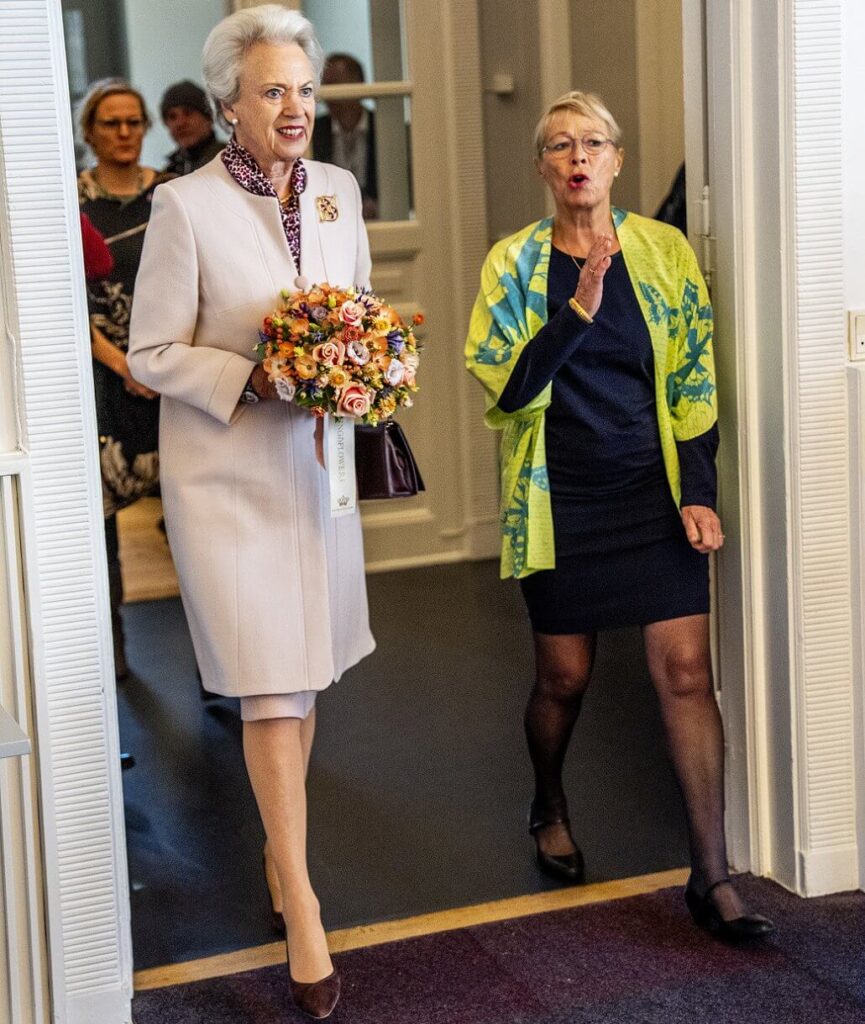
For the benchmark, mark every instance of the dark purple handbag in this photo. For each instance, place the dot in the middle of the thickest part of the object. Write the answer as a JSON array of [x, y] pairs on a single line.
[[385, 465]]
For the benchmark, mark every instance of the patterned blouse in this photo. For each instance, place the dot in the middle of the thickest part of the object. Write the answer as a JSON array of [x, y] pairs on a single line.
[[246, 172]]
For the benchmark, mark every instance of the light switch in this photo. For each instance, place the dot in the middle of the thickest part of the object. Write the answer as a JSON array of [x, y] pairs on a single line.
[[501, 84]]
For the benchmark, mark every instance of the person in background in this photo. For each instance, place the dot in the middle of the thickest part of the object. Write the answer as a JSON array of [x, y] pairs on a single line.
[[674, 208], [188, 116], [115, 195], [592, 336], [345, 135], [273, 586]]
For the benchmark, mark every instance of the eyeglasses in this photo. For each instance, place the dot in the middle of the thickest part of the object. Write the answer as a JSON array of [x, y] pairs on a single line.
[[113, 124], [592, 144]]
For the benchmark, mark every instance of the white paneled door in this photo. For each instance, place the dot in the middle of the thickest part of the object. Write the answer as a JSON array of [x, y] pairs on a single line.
[[421, 63]]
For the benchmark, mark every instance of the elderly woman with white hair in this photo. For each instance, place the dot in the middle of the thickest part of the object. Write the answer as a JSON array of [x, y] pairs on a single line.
[[273, 587], [592, 337]]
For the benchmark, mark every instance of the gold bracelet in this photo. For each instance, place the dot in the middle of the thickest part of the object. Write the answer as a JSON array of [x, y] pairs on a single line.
[[578, 309]]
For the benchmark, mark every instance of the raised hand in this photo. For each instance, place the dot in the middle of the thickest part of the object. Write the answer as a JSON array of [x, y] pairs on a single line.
[[590, 289]]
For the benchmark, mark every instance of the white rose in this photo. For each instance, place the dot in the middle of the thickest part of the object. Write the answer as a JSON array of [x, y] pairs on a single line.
[[285, 389], [358, 353], [394, 373]]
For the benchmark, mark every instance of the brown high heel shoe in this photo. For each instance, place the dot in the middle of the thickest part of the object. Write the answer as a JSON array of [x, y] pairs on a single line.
[[316, 999]]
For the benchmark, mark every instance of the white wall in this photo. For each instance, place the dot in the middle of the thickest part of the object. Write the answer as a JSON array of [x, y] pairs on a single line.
[[164, 39], [660, 98]]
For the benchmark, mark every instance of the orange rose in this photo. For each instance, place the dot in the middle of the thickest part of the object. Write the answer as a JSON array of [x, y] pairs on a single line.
[[354, 401], [330, 352]]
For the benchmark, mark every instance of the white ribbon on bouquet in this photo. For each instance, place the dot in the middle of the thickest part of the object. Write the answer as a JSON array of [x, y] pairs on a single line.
[[339, 462]]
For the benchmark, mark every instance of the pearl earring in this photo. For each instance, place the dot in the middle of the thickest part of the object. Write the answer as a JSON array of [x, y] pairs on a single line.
[[234, 121]]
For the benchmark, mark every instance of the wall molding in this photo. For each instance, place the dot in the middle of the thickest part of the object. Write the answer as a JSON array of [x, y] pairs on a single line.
[[72, 671], [818, 453], [461, 95], [786, 628]]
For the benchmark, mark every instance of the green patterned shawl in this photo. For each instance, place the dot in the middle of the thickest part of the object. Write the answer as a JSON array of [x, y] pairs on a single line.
[[511, 308]]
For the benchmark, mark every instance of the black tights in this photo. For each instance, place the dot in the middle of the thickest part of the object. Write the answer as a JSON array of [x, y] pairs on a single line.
[[679, 663]]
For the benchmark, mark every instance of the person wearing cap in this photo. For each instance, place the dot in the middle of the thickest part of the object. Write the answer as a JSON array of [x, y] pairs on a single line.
[[188, 116]]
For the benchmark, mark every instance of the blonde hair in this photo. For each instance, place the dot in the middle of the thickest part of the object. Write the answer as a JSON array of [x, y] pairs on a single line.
[[588, 104], [230, 41], [100, 91]]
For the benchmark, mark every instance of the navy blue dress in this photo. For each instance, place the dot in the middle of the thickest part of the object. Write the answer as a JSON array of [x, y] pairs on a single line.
[[622, 556]]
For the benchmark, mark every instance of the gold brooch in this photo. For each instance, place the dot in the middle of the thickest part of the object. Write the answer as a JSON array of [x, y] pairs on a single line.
[[328, 208]]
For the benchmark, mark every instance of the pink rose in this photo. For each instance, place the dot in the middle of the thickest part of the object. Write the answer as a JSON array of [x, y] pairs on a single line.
[[358, 353], [352, 313], [330, 352], [354, 401], [409, 378], [394, 373]]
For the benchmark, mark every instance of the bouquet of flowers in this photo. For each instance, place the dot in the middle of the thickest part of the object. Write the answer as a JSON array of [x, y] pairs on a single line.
[[342, 351]]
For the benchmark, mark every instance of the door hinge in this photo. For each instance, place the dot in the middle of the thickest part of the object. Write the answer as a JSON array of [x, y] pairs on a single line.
[[707, 239]]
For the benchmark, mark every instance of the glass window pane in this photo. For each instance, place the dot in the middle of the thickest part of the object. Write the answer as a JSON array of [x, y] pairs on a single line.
[[370, 31], [372, 138]]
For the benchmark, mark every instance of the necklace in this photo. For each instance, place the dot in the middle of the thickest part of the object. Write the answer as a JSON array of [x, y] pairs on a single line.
[[122, 196]]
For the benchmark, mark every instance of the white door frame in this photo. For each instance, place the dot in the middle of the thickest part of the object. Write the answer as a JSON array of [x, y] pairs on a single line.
[[775, 88], [76, 749]]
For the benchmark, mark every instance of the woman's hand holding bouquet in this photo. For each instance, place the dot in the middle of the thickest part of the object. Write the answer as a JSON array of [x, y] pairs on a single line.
[[343, 352]]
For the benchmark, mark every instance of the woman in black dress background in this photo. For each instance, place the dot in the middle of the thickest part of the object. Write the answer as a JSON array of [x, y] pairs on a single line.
[[609, 418], [116, 194]]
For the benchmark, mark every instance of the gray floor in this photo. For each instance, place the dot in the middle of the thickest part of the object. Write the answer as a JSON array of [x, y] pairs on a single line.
[[419, 784]]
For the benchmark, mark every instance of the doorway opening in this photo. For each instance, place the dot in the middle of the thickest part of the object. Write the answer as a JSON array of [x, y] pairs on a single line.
[[419, 784]]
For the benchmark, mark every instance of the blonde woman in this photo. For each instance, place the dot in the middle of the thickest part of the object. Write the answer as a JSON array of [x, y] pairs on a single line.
[[592, 336]]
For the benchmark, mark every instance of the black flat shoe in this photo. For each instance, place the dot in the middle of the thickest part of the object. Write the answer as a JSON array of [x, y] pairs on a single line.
[[706, 915], [568, 867], [318, 998]]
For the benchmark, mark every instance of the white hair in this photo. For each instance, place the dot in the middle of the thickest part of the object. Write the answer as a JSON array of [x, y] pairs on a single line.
[[230, 41]]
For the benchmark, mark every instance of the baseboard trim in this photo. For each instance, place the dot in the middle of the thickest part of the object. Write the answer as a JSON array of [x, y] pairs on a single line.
[[827, 871], [412, 927]]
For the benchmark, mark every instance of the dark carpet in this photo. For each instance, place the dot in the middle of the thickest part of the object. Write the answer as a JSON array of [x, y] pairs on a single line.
[[633, 961], [419, 784]]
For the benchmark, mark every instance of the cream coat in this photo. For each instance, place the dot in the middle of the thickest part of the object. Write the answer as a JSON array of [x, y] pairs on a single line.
[[273, 588]]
